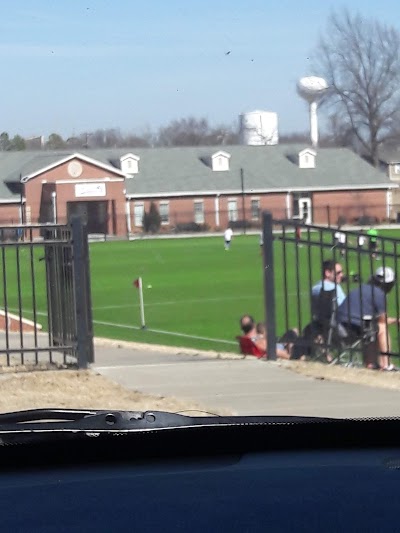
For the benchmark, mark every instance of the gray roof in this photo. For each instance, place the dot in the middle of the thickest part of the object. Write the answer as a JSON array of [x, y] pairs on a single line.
[[181, 170]]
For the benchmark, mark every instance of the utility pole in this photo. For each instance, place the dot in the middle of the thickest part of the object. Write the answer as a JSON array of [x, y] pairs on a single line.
[[243, 198]]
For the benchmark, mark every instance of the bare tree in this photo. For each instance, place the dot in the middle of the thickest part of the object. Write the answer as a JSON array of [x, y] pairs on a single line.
[[185, 132], [360, 60], [195, 132], [294, 138]]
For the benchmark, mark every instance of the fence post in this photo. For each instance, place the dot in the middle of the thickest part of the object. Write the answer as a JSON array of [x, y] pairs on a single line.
[[269, 285], [83, 303], [328, 212]]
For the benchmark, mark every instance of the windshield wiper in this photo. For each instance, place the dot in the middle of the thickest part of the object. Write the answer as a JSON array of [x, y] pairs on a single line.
[[76, 420], [85, 436]]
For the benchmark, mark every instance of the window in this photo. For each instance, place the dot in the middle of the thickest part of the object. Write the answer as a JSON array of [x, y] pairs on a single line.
[[296, 207], [199, 212], [255, 209], [138, 214], [164, 212], [232, 211], [396, 169]]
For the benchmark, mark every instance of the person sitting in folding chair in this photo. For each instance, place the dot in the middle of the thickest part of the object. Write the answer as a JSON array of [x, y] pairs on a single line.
[[366, 306], [326, 295], [332, 277]]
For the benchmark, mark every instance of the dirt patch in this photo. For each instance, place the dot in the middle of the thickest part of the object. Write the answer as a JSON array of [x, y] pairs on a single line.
[[358, 376], [80, 389]]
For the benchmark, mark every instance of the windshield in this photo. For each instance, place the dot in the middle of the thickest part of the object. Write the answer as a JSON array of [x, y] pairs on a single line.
[[199, 207]]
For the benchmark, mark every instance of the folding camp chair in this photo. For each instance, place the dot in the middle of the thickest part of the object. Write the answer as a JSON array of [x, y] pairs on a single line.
[[353, 343], [320, 334], [333, 342], [247, 347]]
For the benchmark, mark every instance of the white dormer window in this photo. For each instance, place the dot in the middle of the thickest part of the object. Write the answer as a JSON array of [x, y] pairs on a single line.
[[130, 164], [307, 158], [396, 168], [220, 161]]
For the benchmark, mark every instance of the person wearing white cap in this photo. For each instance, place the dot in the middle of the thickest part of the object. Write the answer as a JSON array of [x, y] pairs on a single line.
[[369, 300]]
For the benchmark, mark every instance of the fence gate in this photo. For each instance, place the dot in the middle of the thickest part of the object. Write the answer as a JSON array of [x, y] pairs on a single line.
[[45, 314], [295, 255]]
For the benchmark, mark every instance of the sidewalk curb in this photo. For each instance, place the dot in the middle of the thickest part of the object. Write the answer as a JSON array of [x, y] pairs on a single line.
[[102, 342]]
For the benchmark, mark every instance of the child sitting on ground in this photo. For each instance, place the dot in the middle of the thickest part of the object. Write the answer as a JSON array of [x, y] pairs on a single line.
[[285, 342]]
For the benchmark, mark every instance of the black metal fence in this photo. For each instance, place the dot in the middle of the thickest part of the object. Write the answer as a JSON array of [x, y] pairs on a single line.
[[45, 305], [294, 256]]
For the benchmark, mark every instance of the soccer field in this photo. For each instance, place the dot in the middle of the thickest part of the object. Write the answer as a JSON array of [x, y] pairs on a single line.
[[194, 290]]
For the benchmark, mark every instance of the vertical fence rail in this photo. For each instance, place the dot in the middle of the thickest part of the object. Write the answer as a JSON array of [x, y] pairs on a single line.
[[5, 304], [21, 329], [82, 293], [269, 285], [285, 279], [33, 286]]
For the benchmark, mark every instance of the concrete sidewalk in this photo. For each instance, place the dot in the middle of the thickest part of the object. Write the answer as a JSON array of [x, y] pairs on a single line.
[[240, 386]]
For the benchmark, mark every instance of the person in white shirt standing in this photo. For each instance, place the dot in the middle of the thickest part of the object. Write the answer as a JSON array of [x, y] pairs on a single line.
[[228, 237], [340, 238], [361, 240]]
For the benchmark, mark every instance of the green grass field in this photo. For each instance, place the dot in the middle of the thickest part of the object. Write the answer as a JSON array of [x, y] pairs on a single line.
[[194, 290], [198, 290]]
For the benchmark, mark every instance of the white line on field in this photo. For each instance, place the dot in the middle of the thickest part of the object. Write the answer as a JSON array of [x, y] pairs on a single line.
[[126, 326]]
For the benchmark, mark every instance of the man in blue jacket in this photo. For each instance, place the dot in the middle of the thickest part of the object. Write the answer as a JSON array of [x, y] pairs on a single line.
[[368, 302]]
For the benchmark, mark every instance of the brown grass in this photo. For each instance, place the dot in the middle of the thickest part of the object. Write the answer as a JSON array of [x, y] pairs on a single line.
[[79, 389]]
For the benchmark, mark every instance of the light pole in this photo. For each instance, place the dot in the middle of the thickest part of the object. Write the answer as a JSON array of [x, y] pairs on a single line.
[[243, 201]]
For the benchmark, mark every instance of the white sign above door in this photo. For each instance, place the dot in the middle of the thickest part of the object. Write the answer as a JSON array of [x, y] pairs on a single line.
[[83, 190]]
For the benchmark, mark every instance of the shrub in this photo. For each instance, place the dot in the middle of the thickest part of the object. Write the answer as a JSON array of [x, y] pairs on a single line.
[[152, 219], [191, 227], [241, 224], [366, 220]]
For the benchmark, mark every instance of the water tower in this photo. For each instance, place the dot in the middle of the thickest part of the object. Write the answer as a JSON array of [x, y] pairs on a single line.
[[258, 128], [312, 89]]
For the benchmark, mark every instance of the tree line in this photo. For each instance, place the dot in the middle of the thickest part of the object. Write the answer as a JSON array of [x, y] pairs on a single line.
[[189, 131]]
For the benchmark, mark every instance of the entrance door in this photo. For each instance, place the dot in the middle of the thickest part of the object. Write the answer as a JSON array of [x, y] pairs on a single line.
[[94, 213], [305, 212], [232, 211]]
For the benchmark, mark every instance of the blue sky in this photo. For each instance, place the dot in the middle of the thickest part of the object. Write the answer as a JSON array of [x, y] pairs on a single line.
[[78, 65]]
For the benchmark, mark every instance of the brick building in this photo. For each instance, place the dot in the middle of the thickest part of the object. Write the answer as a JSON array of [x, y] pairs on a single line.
[[210, 187]]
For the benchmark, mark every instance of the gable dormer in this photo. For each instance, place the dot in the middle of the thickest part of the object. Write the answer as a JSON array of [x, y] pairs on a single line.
[[220, 161], [307, 158], [130, 164]]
